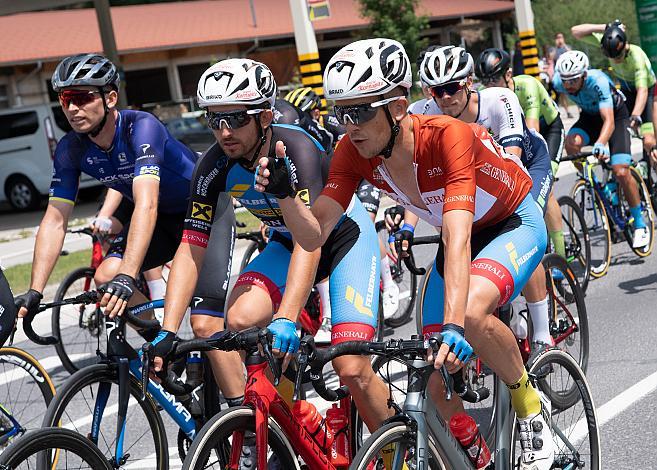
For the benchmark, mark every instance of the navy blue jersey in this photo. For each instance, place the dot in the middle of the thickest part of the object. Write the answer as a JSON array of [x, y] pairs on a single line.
[[216, 173], [142, 148]]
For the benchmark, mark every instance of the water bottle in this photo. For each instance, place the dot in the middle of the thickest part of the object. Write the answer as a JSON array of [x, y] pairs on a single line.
[[642, 168], [194, 369], [338, 422], [465, 430], [306, 414], [611, 192]]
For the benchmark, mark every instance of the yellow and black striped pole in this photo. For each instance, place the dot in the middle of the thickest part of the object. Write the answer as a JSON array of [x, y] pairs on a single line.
[[307, 51], [528, 46]]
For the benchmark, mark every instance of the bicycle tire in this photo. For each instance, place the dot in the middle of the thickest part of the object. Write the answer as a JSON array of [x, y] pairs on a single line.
[[222, 425], [248, 254], [31, 370], [380, 322], [648, 213], [578, 244], [107, 373], [601, 233], [551, 359], [86, 336], [45, 439], [406, 281], [368, 456]]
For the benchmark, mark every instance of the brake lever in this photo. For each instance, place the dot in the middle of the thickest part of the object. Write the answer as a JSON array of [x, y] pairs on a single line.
[[434, 343], [302, 359], [145, 368], [264, 338]]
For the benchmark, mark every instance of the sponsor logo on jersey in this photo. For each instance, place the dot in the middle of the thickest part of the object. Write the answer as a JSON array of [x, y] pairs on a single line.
[[144, 148], [497, 273], [435, 171], [519, 261], [364, 305], [238, 189], [509, 111], [201, 211], [111, 179], [153, 170], [122, 157], [304, 195], [498, 174], [267, 212], [195, 238]]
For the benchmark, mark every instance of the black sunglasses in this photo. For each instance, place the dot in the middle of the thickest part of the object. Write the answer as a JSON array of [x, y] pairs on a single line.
[[451, 89], [231, 119], [360, 113]]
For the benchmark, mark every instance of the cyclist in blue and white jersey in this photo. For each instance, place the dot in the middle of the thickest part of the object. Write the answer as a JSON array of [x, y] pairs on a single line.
[[603, 122]]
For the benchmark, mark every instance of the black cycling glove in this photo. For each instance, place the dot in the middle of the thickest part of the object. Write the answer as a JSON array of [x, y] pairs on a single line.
[[122, 286], [393, 212], [282, 177], [30, 300], [162, 345]]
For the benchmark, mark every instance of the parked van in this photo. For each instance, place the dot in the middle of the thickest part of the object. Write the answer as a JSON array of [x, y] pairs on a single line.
[[28, 138]]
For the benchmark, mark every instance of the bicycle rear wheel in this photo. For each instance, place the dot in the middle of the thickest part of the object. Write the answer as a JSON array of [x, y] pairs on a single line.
[[36, 448], [646, 211], [249, 254], [598, 226], [80, 328], [25, 392], [212, 446], [576, 238], [395, 441], [575, 430]]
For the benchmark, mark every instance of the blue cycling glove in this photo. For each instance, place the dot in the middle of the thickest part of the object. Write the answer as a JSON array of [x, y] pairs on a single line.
[[285, 335], [600, 149], [454, 337]]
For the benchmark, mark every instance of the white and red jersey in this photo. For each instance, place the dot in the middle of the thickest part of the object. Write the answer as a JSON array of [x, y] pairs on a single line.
[[457, 166]]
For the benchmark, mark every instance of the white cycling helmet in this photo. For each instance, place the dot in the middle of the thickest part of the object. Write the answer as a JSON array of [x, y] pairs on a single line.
[[370, 67], [236, 81], [572, 64], [444, 65]]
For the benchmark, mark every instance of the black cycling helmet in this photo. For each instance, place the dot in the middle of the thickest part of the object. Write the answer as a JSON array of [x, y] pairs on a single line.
[[304, 98], [8, 310], [85, 70], [492, 64], [613, 41]]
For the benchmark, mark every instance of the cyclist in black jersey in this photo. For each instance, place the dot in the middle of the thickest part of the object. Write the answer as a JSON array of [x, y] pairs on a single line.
[[271, 291], [131, 152]]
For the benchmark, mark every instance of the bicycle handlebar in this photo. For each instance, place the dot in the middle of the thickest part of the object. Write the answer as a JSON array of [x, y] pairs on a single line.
[[409, 260], [576, 156]]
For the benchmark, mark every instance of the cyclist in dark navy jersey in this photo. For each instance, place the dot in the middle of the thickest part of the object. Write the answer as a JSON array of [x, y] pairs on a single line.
[[132, 153]]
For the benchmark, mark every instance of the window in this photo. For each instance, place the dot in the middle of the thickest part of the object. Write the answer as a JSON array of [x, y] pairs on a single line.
[[4, 98], [147, 86], [18, 124], [60, 119], [189, 77]]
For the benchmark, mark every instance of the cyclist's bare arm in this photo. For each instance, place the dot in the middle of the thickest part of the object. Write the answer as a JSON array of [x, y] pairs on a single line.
[[311, 228], [185, 269], [457, 229], [581, 30], [300, 279], [533, 123], [146, 194], [111, 203], [49, 242], [517, 151], [640, 102], [608, 125]]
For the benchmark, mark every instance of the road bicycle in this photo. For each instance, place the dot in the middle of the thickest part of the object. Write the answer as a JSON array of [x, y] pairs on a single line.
[[26, 389], [36, 448], [576, 240], [647, 170], [89, 399], [606, 210], [267, 416], [417, 436]]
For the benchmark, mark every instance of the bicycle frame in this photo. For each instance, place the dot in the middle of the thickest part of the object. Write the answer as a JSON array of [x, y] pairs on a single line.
[[596, 186], [128, 362], [263, 397]]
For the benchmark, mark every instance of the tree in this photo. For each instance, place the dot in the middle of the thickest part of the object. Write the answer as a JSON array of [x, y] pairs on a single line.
[[552, 16], [396, 19]]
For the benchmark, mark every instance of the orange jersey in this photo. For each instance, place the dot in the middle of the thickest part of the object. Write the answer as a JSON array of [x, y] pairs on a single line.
[[457, 166]]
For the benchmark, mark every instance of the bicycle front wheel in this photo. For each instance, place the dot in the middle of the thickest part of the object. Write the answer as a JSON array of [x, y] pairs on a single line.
[[393, 446], [646, 212], [36, 448], [25, 392], [576, 240], [79, 327], [212, 446], [598, 225], [249, 255], [575, 430], [74, 407]]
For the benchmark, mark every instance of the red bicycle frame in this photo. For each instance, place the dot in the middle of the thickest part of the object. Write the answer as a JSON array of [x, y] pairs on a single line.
[[263, 397]]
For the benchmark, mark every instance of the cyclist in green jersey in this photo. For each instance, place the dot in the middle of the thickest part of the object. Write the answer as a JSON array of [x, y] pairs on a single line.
[[632, 71], [493, 68]]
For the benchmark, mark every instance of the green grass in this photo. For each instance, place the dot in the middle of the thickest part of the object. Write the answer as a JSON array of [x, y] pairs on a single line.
[[251, 221], [19, 276]]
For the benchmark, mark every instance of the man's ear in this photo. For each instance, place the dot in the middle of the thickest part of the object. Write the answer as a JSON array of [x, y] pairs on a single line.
[[266, 118], [111, 98], [398, 108]]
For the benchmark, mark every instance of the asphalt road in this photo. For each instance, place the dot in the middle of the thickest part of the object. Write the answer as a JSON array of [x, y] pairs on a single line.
[[622, 369]]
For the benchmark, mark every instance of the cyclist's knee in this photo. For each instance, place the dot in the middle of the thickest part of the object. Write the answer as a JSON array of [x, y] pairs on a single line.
[[205, 326], [648, 141], [107, 270], [621, 171], [574, 143], [354, 371]]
